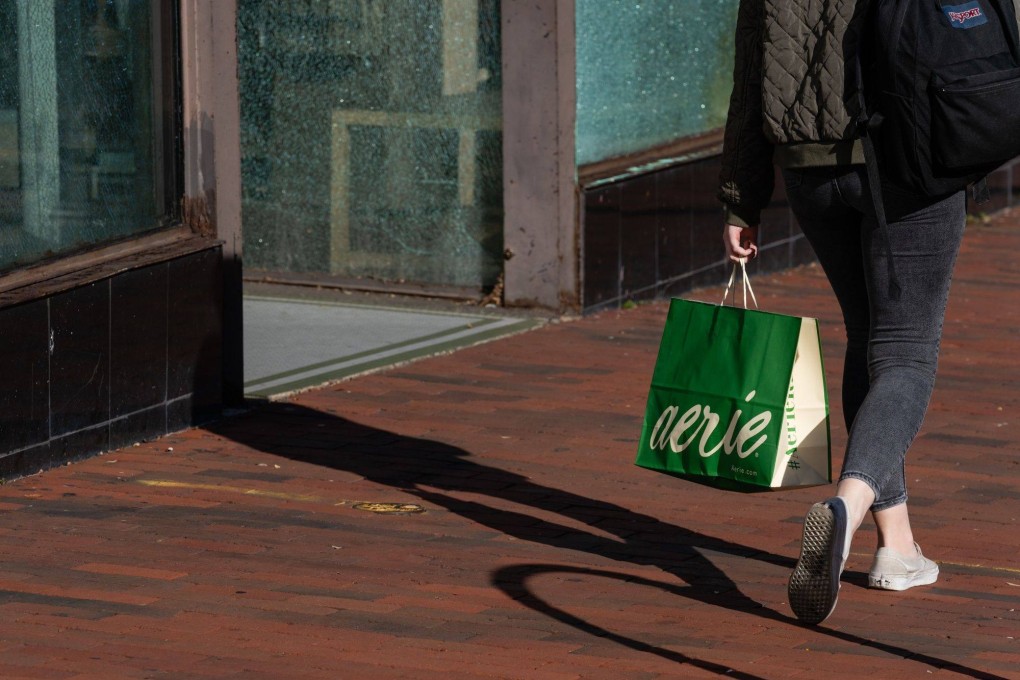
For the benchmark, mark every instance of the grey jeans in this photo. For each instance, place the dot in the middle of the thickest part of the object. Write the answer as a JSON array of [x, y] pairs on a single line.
[[892, 344]]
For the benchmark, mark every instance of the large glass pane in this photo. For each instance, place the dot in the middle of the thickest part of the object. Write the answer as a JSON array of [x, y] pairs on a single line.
[[76, 126], [650, 72], [371, 138]]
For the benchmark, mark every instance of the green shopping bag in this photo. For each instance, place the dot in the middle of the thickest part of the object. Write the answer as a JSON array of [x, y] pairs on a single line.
[[738, 400]]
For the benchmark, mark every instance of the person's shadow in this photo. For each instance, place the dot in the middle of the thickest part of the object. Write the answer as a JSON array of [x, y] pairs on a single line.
[[427, 469]]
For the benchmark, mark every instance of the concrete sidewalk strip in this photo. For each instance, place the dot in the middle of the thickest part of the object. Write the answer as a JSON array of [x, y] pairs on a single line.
[[239, 550], [292, 345]]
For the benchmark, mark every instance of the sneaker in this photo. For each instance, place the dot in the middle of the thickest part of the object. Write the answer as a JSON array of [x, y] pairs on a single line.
[[893, 571], [814, 583]]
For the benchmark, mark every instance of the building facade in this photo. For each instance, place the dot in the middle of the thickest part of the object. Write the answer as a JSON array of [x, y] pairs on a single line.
[[565, 150], [117, 269]]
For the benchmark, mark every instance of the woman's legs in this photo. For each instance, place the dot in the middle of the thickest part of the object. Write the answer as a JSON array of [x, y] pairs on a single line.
[[903, 351], [887, 384], [833, 227], [886, 394], [905, 335]]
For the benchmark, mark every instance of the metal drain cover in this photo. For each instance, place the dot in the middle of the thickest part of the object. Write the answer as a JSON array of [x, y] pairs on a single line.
[[390, 508]]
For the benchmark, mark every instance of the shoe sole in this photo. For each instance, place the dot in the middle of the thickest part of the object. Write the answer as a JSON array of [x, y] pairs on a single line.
[[814, 583], [922, 578]]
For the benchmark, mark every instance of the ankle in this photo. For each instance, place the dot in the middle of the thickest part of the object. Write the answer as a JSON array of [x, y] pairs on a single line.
[[858, 497], [857, 509]]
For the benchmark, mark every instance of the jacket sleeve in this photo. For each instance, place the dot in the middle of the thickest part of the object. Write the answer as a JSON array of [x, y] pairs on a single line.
[[747, 179]]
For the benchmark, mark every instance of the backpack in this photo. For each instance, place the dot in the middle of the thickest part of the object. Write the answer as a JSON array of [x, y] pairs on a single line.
[[939, 87]]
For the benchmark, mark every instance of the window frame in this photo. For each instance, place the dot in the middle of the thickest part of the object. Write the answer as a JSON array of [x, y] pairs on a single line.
[[168, 126]]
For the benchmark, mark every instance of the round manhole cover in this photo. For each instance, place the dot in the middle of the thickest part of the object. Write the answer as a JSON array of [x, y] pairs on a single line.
[[390, 508]]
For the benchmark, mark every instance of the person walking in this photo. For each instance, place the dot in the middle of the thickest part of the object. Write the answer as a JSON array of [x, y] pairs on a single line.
[[794, 105]]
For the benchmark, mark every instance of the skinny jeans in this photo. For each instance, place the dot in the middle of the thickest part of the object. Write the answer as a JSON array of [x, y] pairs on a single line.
[[892, 344]]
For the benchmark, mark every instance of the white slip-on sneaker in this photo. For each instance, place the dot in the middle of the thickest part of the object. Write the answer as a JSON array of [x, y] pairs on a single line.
[[814, 583], [893, 571]]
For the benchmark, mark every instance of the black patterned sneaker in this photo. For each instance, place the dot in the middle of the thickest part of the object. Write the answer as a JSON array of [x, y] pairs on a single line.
[[814, 583], [893, 571]]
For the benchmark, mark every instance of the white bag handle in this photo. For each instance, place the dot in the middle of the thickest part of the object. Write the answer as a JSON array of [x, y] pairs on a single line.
[[742, 263]]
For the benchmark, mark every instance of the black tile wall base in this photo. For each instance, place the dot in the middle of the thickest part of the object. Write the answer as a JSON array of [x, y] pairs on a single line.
[[24, 358], [139, 426], [55, 452], [660, 234], [111, 363], [79, 358], [74, 446], [190, 410]]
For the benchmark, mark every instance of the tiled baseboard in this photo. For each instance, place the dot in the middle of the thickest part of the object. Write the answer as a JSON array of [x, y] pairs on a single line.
[[112, 362], [659, 234]]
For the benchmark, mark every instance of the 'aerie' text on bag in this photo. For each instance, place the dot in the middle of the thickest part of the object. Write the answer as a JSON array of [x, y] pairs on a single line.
[[701, 418]]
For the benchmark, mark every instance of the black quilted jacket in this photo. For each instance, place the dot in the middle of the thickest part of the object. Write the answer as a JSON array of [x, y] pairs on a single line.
[[793, 101]]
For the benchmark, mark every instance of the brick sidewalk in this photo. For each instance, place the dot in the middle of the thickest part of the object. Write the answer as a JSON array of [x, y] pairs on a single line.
[[543, 553]]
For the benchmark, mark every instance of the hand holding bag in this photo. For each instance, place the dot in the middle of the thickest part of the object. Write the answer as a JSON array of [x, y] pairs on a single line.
[[738, 398]]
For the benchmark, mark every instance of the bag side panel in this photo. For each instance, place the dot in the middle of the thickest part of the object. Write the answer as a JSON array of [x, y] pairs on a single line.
[[805, 458]]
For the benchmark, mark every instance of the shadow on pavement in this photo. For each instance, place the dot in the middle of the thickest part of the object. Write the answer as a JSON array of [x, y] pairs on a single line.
[[421, 466]]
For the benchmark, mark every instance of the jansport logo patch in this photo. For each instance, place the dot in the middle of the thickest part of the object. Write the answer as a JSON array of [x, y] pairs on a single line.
[[969, 15]]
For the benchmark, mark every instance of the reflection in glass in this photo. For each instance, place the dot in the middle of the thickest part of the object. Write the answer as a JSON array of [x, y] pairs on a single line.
[[76, 166], [371, 138], [650, 72]]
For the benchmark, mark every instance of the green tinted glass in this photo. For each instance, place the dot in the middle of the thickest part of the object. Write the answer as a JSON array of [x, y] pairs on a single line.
[[77, 142], [650, 72], [371, 138]]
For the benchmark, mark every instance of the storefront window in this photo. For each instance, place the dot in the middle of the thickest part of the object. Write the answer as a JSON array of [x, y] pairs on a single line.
[[650, 72], [371, 138], [80, 125]]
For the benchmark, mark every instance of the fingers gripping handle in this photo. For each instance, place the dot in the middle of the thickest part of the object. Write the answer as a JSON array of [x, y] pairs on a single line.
[[742, 264]]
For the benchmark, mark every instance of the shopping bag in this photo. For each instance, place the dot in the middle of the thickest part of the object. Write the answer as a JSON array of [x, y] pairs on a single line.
[[738, 399]]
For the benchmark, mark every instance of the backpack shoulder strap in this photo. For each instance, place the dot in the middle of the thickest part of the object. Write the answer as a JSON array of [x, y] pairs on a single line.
[[1007, 16], [979, 192]]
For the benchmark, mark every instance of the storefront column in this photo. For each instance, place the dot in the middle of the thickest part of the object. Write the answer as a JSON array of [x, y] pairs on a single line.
[[212, 158], [541, 228]]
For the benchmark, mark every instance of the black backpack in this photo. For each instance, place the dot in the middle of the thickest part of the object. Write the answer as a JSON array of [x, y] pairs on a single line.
[[941, 90], [939, 95]]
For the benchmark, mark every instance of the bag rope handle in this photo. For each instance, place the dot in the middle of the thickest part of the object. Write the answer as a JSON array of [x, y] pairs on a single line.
[[742, 263]]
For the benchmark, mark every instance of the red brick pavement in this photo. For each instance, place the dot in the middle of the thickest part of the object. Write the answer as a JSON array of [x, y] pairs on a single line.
[[543, 553]]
